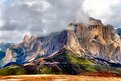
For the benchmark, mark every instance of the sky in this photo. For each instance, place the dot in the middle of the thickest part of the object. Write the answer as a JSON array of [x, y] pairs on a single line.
[[42, 17]]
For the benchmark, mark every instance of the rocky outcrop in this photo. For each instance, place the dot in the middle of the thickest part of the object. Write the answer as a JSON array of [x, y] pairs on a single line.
[[97, 39], [9, 57], [28, 50], [32, 48]]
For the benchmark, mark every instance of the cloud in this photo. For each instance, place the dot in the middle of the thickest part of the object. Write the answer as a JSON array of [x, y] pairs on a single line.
[[39, 17], [109, 11]]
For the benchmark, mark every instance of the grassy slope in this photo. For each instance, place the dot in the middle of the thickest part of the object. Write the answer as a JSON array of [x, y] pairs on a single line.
[[12, 70]]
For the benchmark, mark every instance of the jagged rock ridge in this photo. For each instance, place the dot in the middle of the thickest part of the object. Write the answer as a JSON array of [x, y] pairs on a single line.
[[34, 47]]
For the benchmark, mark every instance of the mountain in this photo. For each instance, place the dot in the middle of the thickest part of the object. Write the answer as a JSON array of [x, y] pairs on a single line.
[[118, 30], [92, 43], [94, 39], [4, 46], [98, 40]]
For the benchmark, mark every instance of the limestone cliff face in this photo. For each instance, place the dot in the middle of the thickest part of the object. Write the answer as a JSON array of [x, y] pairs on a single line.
[[72, 41], [96, 39]]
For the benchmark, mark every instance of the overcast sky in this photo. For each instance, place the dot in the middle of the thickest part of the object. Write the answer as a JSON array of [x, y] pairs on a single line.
[[41, 17]]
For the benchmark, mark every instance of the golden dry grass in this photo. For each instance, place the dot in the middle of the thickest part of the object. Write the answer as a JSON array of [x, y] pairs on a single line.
[[57, 78]]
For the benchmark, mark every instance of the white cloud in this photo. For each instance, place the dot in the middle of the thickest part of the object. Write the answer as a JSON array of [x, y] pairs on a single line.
[[45, 16], [102, 9], [38, 16], [1, 21]]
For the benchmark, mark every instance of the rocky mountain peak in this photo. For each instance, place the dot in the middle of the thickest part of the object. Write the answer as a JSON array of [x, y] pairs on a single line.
[[100, 40], [27, 40]]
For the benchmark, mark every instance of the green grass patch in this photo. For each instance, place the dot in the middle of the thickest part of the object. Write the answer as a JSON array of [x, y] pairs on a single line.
[[78, 60], [12, 71]]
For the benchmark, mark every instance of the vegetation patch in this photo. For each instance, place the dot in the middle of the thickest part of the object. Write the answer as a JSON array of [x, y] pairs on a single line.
[[12, 71]]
